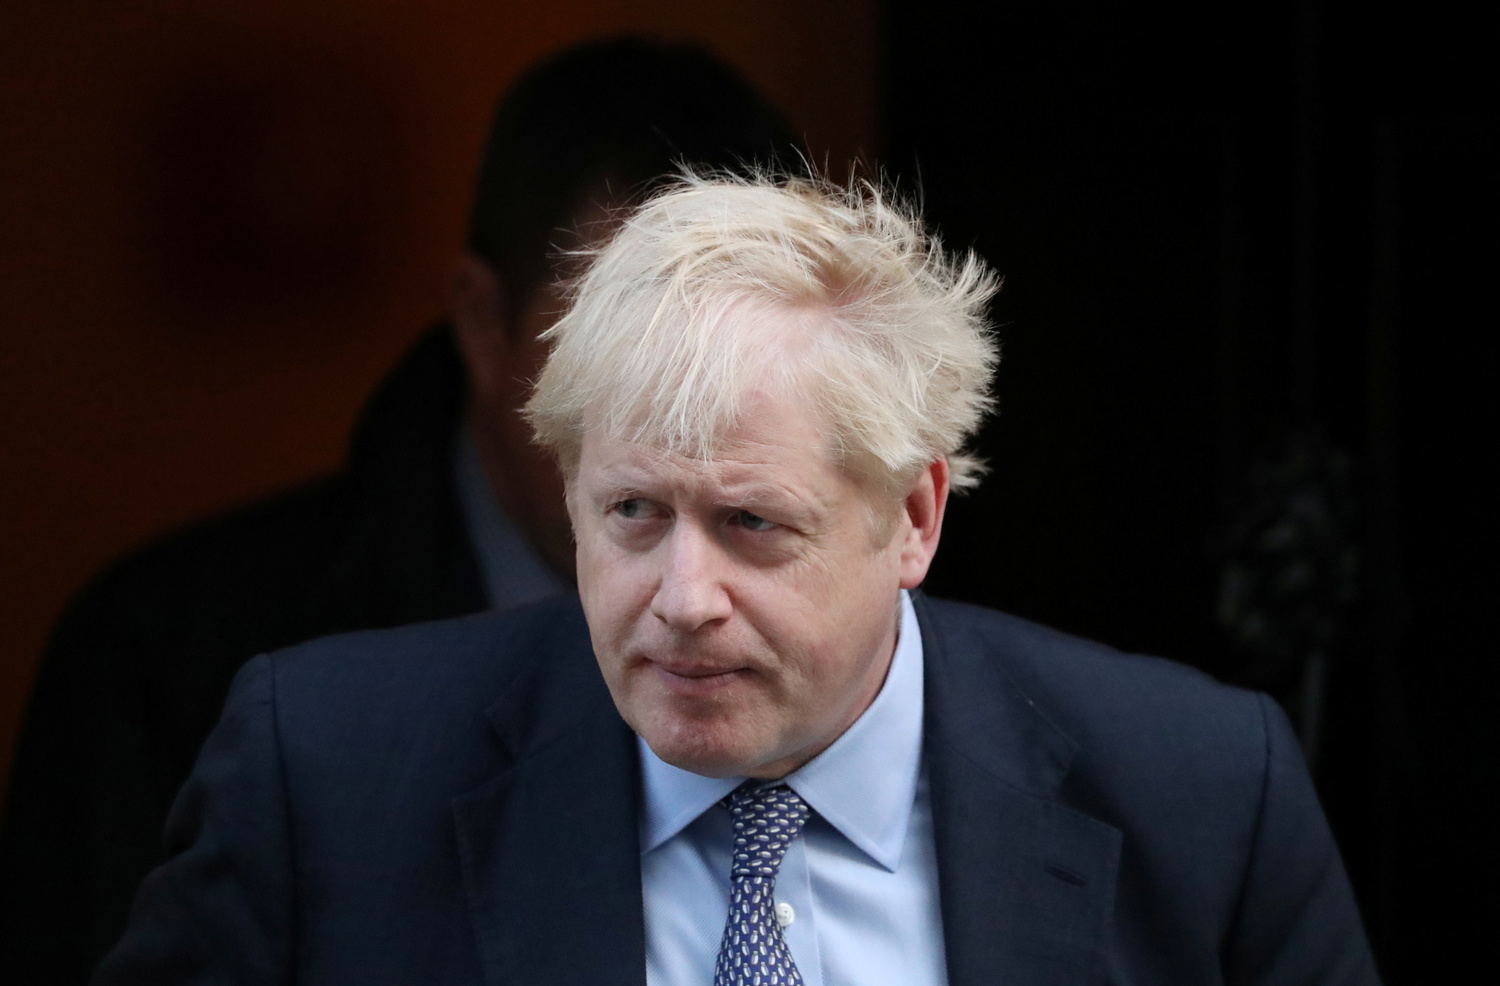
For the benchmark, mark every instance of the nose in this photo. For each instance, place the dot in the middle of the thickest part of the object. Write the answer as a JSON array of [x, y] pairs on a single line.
[[692, 592]]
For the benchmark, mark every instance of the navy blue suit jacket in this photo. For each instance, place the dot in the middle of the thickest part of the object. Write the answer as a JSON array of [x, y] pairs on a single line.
[[456, 803]]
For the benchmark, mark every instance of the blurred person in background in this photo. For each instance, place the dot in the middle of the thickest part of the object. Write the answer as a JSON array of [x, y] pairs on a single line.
[[444, 507]]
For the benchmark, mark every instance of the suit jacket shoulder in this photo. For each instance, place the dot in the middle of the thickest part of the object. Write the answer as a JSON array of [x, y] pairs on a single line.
[[1220, 862], [437, 690], [438, 802], [1135, 712]]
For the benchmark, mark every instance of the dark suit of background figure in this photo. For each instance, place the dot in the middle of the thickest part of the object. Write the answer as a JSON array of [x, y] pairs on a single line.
[[457, 803], [138, 669], [145, 656]]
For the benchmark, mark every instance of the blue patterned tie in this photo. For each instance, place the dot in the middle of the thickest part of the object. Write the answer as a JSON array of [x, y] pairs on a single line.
[[753, 952]]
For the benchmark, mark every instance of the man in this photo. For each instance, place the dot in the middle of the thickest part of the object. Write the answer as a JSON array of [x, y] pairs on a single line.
[[753, 753], [445, 507]]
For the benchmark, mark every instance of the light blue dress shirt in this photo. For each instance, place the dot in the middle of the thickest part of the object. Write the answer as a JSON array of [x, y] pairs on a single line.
[[511, 571], [862, 880]]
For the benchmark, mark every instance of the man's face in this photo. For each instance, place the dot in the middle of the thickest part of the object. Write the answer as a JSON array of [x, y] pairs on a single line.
[[741, 609]]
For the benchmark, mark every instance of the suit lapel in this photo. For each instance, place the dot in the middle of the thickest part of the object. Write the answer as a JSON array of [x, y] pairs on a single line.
[[549, 848], [1027, 883]]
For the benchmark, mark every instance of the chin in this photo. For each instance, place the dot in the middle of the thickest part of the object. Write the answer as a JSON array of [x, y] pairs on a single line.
[[693, 746]]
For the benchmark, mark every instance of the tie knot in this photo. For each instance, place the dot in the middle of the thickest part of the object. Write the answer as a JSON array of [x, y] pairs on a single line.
[[766, 819]]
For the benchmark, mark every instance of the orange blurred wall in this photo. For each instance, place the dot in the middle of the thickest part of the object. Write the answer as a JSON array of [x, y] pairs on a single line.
[[151, 371]]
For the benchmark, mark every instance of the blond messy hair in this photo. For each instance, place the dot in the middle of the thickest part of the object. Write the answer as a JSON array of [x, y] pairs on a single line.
[[722, 285]]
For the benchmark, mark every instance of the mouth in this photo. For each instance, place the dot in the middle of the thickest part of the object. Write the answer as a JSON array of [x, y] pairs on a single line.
[[696, 681]]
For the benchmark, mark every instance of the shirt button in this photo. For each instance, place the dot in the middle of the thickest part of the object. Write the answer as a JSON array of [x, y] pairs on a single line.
[[785, 915]]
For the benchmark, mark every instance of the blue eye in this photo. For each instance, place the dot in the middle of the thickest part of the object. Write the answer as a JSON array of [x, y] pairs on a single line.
[[754, 522], [631, 508]]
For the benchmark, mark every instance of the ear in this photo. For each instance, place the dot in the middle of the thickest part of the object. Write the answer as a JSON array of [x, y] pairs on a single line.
[[479, 308], [924, 509]]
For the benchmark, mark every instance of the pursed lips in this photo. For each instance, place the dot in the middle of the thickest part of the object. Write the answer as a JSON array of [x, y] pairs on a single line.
[[695, 680]]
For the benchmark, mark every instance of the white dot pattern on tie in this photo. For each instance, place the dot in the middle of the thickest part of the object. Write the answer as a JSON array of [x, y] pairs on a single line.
[[753, 952]]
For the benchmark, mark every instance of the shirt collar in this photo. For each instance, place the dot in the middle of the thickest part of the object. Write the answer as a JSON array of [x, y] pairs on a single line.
[[864, 784]]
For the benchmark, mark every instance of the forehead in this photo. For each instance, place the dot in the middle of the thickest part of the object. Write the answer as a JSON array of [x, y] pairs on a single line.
[[776, 444]]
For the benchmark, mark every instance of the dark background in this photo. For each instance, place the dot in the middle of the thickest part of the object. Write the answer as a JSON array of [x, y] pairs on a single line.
[[1230, 231], [1236, 238]]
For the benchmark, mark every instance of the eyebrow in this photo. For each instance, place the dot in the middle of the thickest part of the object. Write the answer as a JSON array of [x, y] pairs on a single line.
[[620, 480], [785, 505], [752, 494]]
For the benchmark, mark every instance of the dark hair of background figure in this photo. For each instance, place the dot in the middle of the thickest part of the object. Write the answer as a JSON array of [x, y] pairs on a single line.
[[621, 100]]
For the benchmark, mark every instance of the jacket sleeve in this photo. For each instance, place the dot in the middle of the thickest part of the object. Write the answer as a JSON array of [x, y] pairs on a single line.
[[1297, 921], [222, 908]]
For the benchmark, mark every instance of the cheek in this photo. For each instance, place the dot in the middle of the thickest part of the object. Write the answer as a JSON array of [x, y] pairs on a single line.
[[594, 578], [586, 559], [851, 621], [611, 585], [609, 625], [841, 589]]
